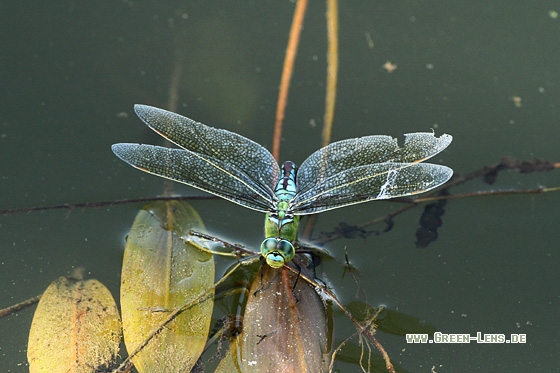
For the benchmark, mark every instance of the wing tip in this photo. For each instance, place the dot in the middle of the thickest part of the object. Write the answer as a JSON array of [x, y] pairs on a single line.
[[117, 148], [143, 110], [123, 150]]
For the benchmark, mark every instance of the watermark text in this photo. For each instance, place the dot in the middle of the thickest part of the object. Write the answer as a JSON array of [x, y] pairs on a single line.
[[466, 338]]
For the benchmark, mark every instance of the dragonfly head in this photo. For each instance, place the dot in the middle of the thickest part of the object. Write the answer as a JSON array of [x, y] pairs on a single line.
[[277, 251]]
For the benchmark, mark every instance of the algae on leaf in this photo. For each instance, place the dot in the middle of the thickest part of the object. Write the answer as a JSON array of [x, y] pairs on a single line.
[[161, 273], [76, 328]]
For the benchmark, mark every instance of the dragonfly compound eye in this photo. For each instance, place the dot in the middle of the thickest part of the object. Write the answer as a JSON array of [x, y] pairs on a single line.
[[269, 245], [286, 248], [277, 251], [269, 250]]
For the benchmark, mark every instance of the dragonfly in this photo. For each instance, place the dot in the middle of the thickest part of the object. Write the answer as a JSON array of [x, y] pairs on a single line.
[[240, 170]]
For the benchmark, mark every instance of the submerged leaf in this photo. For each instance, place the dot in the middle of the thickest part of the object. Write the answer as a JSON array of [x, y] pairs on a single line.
[[228, 364], [76, 328], [284, 328], [162, 272]]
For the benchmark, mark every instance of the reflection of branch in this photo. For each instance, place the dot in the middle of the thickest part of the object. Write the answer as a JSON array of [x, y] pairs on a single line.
[[487, 173], [330, 99], [287, 73], [486, 193], [520, 166], [173, 99], [331, 236], [332, 69], [174, 84]]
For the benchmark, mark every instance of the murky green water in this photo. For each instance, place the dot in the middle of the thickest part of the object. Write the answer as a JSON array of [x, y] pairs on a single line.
[[71, 73]]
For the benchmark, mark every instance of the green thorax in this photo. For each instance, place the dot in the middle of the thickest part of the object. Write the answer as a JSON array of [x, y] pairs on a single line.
[[281, 225], [281, 228]]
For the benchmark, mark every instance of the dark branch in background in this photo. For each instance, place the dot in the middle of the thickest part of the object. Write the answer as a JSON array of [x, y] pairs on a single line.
[[431, 218], [20, 306], [489, 174], [72, 206]]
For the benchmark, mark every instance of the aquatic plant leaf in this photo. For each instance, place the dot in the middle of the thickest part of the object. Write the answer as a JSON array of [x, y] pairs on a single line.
[[228, 364], [76, 328], [162, 272], [284, 328]]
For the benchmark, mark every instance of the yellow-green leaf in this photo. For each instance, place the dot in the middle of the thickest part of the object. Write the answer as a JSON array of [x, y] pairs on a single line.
[[76, 328], [228, 364], [162, 272]]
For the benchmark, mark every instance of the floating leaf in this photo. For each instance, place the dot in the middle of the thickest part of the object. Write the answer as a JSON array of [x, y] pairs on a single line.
[[162, 272], [284, 328], [76, 328]]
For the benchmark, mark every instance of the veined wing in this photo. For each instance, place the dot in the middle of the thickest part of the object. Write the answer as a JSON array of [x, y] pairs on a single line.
[[250, 158], [370, 182], [346, 154], [200, 171]]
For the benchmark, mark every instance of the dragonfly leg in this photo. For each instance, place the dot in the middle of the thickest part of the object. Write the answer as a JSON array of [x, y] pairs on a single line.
[[298, 267], [263, 262], [238, 251]]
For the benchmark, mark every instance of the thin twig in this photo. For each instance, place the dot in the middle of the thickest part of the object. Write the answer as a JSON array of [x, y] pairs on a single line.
[[20, 306], [72, 206]]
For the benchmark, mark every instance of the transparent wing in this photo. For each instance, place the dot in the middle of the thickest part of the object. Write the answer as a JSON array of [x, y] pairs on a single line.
[[370, 182], [245, 155], [200, 171], [351, 153]]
